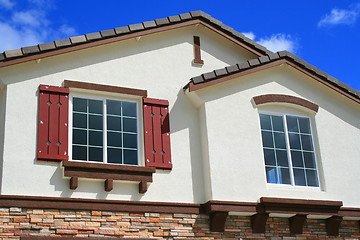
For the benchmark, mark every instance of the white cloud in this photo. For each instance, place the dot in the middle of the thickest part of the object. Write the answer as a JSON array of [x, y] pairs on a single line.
[[279, 42], [250, 35], [30, 26], [8, 4], [340, 16]]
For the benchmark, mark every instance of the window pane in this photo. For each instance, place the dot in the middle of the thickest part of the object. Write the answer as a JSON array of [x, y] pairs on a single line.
[[95, 154], [79, 105], [95, 106], [312, 178], [294, 141], [306, 142], [79, 120], [282, 159], [299, 176], [79, 153], [285, 176], [271, 174], [309, 159], [95, 138], [130, 157], [114, 139], [130, 140], [278, 124], [113, 107], [280, 140], [296, 158], [114, 123], [292, 124], [114, 155], [130, 125], [304, 125], [265, 122], [95, 122], [269, 155], [79, 137], [267, 139], [129, 109]]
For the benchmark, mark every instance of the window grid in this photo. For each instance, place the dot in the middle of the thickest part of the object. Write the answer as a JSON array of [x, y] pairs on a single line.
[[132, 156], [279, 168]]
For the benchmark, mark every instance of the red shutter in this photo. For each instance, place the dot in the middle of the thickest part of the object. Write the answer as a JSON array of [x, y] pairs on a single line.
[[53, 123], [157, 133]]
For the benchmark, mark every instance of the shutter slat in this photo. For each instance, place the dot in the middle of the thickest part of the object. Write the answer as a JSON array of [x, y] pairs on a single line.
[[52, 123], [157, 133]]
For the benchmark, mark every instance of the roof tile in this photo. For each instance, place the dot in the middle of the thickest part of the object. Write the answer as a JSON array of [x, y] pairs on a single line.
[[209, 76], [185, 16], [13, 53], [232, 69], [107, 33], [47, 46], [220, 72], [197, 79], [162, 21], [243, 65], [273, 56], [264, 59], [78, 39], [254, 62], [136, 27], [93, 36], [122, 30], [174, 19], [62, 42], [149, 24], [31, 49]]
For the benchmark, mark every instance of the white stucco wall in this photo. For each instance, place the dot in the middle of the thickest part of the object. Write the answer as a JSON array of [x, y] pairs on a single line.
[[159, 63], [233, 147]]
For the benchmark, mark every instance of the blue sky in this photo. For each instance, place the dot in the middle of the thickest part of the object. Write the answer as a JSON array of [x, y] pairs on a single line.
[[324, 33]]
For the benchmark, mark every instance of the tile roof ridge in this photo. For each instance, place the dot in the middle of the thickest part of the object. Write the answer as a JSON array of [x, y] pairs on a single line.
[[89, 37], [271, 57]]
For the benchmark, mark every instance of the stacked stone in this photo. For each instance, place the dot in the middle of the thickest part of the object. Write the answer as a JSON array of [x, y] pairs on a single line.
[[17, 222]]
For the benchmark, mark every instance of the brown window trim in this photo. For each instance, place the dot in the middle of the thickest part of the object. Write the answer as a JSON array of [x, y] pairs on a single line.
[[197, 51], [108, 172], [105, 88], [280, 98], [73, 238]]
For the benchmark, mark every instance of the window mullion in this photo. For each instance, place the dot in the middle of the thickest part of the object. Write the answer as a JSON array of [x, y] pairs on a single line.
[[104, 132], [288, 150]]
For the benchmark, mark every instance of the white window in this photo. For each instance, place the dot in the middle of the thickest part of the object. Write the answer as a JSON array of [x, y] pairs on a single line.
[[104, 130], [288, 150]]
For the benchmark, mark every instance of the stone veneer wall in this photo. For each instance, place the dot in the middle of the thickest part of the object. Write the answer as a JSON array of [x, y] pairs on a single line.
[[16, 222]]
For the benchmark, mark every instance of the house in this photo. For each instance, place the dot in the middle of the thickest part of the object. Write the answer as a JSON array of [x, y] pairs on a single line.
[[177, 128]]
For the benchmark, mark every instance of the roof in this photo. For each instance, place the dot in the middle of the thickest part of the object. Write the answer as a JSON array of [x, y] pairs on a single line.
[[9, 55], [266, 61]]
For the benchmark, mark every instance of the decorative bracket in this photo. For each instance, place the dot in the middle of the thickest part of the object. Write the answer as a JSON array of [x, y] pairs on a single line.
[[296, 224], [333, 225]]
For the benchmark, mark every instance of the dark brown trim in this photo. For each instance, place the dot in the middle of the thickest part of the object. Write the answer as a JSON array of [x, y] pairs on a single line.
[[97, 204], [108, 172], [74, 183], [296, 224], [281, 98], [197, 51], [298, 206], [333, 225], [229, 206], [105, 88], [109, 184], [217, 221], [48, 88], [258, 222], [143, 187], [100, 42]]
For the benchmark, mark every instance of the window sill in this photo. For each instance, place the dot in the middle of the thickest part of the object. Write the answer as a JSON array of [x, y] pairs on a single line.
[[292, 187], [108, 172]]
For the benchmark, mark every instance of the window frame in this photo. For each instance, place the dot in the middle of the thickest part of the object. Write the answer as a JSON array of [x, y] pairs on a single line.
[[103, 98], [288, 149]]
